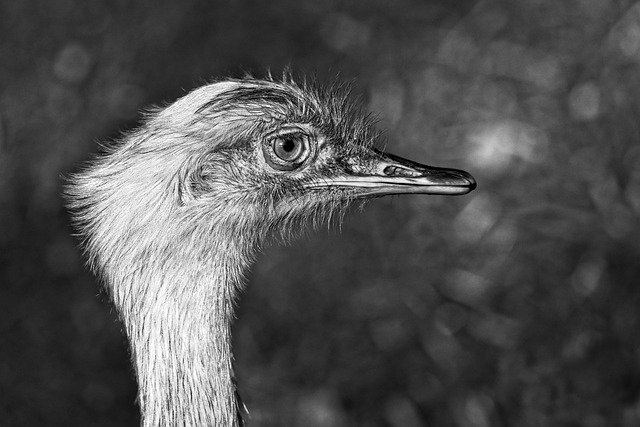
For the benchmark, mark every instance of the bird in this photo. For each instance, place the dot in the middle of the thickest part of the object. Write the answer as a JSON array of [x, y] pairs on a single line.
[[171, 215]]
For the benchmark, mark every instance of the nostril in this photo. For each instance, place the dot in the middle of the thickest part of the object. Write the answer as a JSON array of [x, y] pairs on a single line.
[[392, 170]]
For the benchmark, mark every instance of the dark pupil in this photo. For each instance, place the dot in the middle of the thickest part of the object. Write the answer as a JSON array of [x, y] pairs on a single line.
[[288, 145]]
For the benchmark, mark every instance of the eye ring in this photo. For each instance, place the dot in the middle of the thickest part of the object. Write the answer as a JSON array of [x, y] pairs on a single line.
[[287, 151]]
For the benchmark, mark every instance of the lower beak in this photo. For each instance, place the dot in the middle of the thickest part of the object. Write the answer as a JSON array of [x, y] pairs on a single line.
[[383, 174]]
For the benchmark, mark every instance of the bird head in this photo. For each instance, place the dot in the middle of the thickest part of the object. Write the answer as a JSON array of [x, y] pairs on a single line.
[[235, 161], [279, 151]]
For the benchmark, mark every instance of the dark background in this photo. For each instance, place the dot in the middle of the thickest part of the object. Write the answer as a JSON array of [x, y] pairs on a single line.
[[517, 305]]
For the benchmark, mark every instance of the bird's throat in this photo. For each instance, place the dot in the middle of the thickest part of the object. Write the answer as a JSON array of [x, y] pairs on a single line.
[[180, 334]]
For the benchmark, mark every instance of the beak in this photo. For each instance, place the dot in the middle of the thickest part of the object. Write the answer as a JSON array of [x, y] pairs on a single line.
[[383, 174]]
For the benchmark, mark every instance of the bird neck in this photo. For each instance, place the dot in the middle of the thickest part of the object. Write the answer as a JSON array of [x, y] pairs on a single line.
[[179, 327]]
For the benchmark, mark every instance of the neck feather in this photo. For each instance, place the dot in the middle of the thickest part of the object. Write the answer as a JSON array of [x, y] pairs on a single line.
[[178, 319]]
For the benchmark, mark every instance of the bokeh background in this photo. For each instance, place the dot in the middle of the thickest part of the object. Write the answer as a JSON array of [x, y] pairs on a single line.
[[517, 305]]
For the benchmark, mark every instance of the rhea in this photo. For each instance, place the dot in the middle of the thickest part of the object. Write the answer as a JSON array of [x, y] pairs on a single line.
[[172, 214]]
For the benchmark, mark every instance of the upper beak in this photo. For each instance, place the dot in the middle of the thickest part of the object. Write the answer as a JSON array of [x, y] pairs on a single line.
[[383, 174]]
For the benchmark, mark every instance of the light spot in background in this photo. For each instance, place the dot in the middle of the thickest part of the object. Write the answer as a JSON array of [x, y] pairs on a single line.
[[577, 347], [629, 41], [494, 146], [387, 100], [319, 409], [625, 35], [465, 287], [478, 408], [587, 275], [342, 32], [584, 101], [473, 411], [477, 218], [72, 64], [503, 236], [400, 412], [450, 318]]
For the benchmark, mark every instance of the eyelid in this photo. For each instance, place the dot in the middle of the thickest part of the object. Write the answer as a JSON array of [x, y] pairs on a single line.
[[292, 129]]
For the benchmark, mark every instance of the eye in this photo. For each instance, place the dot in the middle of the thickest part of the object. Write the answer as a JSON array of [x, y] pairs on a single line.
[[288, 148], [287, 152]]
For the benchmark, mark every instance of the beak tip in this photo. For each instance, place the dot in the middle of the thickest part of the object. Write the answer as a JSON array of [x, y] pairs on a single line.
[[472, 184], [462, 180]]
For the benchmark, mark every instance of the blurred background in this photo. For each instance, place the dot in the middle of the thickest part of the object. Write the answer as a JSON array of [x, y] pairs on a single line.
[[517, 305]]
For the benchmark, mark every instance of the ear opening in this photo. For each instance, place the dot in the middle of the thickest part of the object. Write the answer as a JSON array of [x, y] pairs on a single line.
[[191, 181]]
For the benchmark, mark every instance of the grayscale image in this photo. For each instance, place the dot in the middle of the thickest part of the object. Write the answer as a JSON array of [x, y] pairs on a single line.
[[320, 214]]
